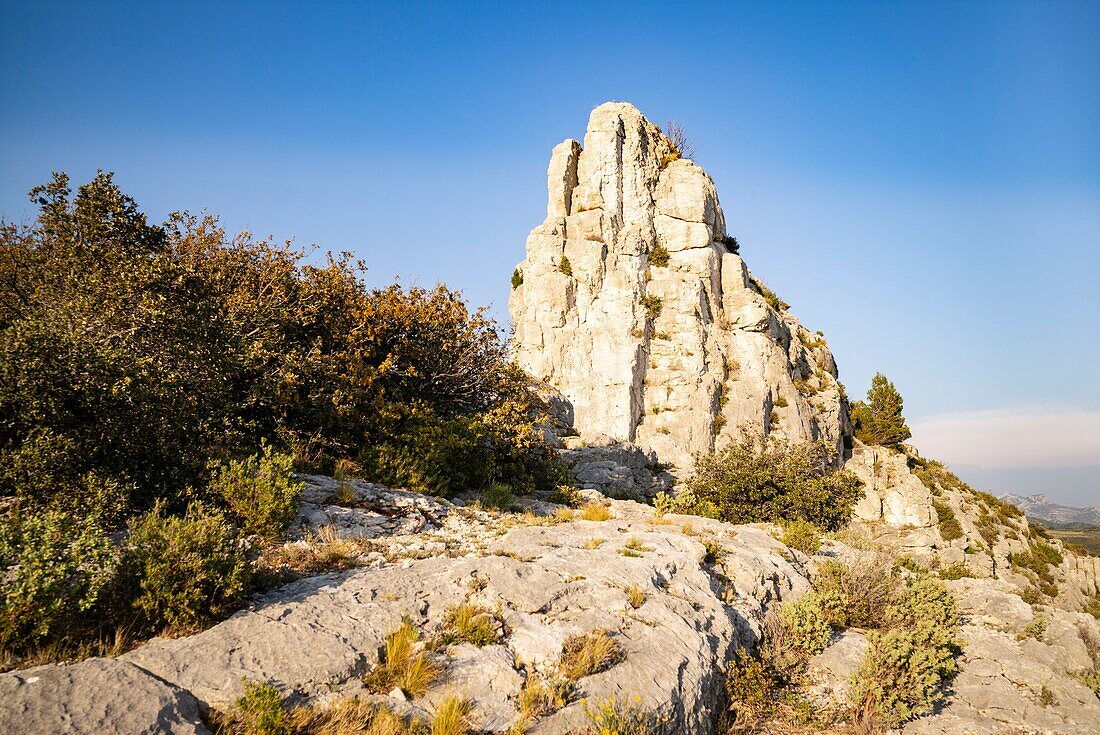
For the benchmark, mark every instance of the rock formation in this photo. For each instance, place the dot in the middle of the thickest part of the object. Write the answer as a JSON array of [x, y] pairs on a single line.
[[632, 303]]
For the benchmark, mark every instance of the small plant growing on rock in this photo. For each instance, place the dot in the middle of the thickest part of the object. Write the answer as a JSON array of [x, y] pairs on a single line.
[[540, 698], [1036, 629], [497, 496], [948, 523], [593, 544], [565, 267], [260, 711], [451, 717], [584, 655], [635, 596], [469, 623], [635, 544], [612, 718], [652, 305], [1047, 698], [517, 279], [344, 495], [404, 666], [806, 624], [664, 503], [659, 256], [958, 570], [593, 511]]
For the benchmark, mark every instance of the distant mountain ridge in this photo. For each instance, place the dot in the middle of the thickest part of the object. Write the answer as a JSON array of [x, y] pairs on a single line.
[[1040, 508]]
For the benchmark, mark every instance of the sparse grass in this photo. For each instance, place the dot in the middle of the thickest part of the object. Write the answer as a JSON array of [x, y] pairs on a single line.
[[948, 523], [630, 553], [635, 596], [324, 551], [611, 717], [593, 543], [777, 304], [451, 717], [1036, 629], [540, 698], [635, 544], [469, 623], [405, 666], [262, 711], [958, 570], [344, 495], [584, 655], [497, 496], [593, 511]]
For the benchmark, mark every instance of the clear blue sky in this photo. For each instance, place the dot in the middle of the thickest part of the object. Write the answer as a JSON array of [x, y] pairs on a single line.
[[921, 181]]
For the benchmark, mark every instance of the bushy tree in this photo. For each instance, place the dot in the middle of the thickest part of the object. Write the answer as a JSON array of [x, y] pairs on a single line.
[[879, 420], [764, 479]]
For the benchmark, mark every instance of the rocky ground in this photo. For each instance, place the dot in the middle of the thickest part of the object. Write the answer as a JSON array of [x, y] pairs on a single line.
[[678, 595]]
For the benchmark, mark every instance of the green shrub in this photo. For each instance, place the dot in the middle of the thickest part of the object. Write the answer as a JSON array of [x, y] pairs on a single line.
[[57, 568], [958, 570], [948, 524], [183, 572], [260, 491], [899, 678], [751, 684], [802, 536], [659, 256], [517, 279], [864, 586], [261, 711], [565, 267], [652, 305], [498, 496], [777, 304], [610, 717], [764, 479], [1036, 629], [806, 622]]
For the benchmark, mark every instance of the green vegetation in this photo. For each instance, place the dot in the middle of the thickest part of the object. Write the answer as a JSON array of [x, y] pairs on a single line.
[[659, 256], [469, 623], [517, 279], [777, 304], [1036, 562], [948, 524], [404, 666], [652, 306], [879, 420], [565, 267], [805, 537], [610, 717], [764, 479], [159, 385]]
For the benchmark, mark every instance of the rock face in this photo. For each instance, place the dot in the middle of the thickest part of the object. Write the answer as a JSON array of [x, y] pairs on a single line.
[[631, 303]]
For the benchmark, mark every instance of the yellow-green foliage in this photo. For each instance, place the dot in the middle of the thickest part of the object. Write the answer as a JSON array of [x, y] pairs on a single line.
[[635, 596], [517, 278], [260, 711], [498, 496], [806, 621], [802, 536], [652, 306], [260, 491], [183, 572], [451, 717], [958, 570], [903, 672], [539, 698], [584, 655], [659, 256], [610, 717], [764, 479], [565, 267], [1036, 629], [57, 569], [469, 623], [751, 684], [403, 666], [864, 586], [593, 511], [776, 303], [948, 523]]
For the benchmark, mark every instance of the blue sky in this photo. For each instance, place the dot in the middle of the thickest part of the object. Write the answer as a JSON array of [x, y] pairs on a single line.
[[920, 181]]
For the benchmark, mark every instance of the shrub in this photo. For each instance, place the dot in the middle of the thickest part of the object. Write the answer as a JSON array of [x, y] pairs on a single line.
[[764, 479], [1036, 629], [898, 679], [659, 256], [948, 524], [584, 655], [497, 496], [260, 491], [260, 711], [517, 279], [802, 536], [183, 572], [403, 665], [777, 304], [469, 623], [806, 622], [751, 684], [652, 305], [865, 586], [879, 420], [958, 570], [664, 504], [57, 568], [565, 267]]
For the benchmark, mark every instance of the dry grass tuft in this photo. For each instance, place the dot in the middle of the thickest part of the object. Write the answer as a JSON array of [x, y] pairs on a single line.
[[584, 655], [635, 597], [451, 717], [593, 511], [405, 666], [469, 623], [594, 543]]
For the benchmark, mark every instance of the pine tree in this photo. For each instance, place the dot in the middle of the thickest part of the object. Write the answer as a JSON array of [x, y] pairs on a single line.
[[879, 420]]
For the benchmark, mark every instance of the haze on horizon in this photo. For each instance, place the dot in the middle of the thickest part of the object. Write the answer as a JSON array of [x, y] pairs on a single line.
[[921, 182]]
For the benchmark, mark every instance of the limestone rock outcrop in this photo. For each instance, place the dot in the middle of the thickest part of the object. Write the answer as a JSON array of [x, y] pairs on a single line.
[[633, 304]]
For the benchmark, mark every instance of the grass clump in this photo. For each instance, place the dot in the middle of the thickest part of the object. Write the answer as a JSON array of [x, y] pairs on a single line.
[[635, 544], [958, 570], [260, 491], [469, 623], [610, 717], [498, 496], [765, 479], [540, 698], [451, 717], [588, 654], [1036, 629], [593, 511], [635, 596], [593, 543], [404, 666]]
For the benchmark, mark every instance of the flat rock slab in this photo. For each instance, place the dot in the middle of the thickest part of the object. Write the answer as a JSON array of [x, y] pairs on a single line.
[[100, 696]]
